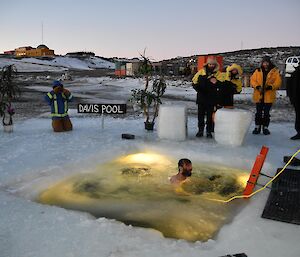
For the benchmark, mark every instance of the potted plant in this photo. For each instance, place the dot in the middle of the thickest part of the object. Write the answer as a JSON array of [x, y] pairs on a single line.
[[8, 91], [149, 98]]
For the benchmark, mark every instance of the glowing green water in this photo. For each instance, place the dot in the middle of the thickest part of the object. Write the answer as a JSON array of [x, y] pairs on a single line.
[[135, 190]]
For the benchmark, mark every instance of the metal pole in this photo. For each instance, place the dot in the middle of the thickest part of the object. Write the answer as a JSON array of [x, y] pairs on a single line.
[[42, 33], [102, 121]]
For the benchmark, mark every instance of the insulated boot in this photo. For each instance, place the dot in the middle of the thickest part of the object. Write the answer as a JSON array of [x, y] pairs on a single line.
[[296, 137], [199, 134], [257, 130], [67, 124], [58, 125], [266, 131], [209, 135]]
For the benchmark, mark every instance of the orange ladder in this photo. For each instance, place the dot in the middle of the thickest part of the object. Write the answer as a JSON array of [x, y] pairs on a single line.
[[255, 172]]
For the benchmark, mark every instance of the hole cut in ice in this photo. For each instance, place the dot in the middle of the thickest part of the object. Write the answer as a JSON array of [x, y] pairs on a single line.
[[135, 189]]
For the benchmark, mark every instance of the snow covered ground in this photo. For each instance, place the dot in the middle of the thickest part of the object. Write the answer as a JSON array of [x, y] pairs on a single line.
[[33, 157], [57, 64], [178, 90], [112, 90]]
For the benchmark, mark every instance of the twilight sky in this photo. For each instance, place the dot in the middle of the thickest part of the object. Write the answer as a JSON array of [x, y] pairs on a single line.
[[167, 28]]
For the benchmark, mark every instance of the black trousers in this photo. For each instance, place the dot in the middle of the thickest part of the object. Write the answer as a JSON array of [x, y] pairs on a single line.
[[297, 121], [205, 111], [262, 115]]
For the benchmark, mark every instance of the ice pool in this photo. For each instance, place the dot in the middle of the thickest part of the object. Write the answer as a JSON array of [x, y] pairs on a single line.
[[135, 189]]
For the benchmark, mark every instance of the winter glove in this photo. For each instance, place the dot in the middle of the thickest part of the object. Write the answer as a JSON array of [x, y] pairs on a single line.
[[235, 91], [213, 80], [57, 90], [259, 88], [66, 92], [196, 87], [269, 88]]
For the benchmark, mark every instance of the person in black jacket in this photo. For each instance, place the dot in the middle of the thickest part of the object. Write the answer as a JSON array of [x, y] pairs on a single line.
[[207, 84], [231, 85], [293, 91]]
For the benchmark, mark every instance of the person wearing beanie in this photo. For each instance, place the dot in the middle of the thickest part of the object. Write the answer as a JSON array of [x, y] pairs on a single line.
[[58, 100], [207, 82], [265, 81], [293, 91]]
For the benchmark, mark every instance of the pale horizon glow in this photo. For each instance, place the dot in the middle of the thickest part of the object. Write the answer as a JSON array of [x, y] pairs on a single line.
[[166, 28]]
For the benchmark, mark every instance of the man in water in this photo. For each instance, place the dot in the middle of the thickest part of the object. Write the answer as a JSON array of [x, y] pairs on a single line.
[[184, 171]]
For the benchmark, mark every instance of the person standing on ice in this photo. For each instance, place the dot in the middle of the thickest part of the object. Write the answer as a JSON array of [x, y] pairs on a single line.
[[232, 85], [265, 81], [185, 168], [58, 99], [207, 82], [293, 91]]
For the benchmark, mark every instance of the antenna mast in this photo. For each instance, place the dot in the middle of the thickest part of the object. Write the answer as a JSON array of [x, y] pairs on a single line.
[[42, 33]]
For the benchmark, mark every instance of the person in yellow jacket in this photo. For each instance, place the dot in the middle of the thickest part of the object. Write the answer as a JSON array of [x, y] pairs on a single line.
[[207, 83], [265, 81], [234, 74], [232, 85]]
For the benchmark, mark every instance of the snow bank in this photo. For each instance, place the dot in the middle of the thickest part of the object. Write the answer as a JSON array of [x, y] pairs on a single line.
[[57, 64], [29, 67]]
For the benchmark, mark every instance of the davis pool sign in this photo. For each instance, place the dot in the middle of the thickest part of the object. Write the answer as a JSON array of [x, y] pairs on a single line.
[[102, 108]]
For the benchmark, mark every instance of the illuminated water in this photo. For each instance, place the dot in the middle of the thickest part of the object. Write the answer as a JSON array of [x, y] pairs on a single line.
[[135, 189]]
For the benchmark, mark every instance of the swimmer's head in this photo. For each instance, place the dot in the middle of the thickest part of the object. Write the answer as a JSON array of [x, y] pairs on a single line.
[[185, 167]]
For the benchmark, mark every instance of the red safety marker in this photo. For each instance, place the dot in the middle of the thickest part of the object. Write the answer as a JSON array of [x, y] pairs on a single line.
[[256, 169]]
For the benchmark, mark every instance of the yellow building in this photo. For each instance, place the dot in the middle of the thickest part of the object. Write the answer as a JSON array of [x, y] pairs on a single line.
[[28, 51], [21, 51]]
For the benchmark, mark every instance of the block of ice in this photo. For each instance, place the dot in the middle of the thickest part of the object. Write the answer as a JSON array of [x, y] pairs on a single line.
[[231, 126], [172, 122]]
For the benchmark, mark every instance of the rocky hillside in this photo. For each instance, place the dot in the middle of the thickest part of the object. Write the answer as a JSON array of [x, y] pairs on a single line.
[[251, 58]]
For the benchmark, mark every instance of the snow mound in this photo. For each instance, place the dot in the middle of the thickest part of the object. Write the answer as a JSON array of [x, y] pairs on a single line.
[[59, 63]]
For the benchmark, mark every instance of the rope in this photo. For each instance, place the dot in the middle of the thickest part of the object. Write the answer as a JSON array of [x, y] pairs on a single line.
[[259, 190]]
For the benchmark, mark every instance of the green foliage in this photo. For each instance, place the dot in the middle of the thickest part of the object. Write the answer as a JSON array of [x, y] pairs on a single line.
[[3, 107], [159, 88], [147, 99], [146, 66], [8, 91]]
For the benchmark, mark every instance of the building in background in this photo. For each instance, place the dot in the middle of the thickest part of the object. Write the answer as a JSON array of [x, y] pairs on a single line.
[[28, 51], [10, 52], [81, 54], [133, 68], [127, 67], [22, 51], [120, 68]]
